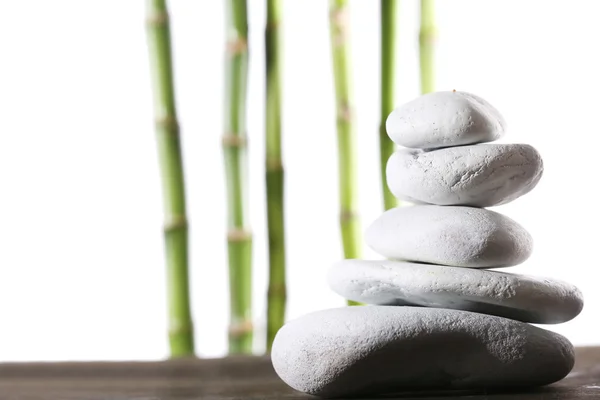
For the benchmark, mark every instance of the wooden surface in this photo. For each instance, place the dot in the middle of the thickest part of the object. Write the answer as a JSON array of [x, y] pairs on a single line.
[[230, 378]]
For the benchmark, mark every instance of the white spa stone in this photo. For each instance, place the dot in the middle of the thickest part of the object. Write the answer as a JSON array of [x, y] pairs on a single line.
[[444, 119], [369, 350], [520, 297], [482, 175], [450, 235]]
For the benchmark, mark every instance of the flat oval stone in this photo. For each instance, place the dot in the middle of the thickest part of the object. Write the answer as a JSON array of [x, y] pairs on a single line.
[[444, 119], [520, 297], [361, 351], [456, 236], [481, 175]]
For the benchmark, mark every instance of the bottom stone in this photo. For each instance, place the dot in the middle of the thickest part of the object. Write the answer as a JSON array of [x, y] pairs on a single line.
[[384, 349]]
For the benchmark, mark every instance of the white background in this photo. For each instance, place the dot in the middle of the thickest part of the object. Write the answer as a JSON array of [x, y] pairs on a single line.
[[81, 252]]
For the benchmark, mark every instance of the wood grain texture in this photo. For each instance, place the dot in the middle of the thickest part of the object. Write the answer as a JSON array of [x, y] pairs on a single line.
[[232, 378]]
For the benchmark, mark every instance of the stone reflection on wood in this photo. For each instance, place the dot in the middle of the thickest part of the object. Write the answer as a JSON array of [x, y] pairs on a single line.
[[437, 317]]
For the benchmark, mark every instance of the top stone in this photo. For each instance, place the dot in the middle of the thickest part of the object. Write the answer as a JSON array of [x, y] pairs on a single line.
[[445, 119]]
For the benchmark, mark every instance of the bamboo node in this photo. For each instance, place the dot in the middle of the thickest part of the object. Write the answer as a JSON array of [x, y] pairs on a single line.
[[274, 164], [178, 327], [175, 223], [428, 35], [272, 25], [238, 329], [344, 112], [339, 17], [238, 235], [233, 140], [340, 21], [168, 123], [236, 46], [347, 215], [158, 19], [277, 290]]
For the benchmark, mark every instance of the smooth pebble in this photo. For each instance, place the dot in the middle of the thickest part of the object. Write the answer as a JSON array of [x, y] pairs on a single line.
[[456, 236], [521, 297], [361, 351], [482, 175], [444, 119]]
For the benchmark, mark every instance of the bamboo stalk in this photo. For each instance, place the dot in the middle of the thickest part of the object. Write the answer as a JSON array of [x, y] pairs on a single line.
[[276, 297], [239, 237], [427, 37], [349, 223], [388, 64], [181, 335]]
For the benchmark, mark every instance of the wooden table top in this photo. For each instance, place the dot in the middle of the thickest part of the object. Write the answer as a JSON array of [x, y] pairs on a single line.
[[231, 378]]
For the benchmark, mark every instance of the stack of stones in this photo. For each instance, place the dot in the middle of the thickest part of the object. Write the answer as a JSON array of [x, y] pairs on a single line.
[[439, 319]]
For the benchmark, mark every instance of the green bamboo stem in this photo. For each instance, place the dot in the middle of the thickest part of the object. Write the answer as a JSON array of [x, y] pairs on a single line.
[[349, 223], [239, 237], [181, 332], [388, 66], [276, 297], [427, 37]]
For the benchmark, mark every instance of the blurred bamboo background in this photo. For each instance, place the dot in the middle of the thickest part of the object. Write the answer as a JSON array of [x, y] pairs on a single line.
[[88, 271], [346, 140], [387, 39], [239, 237], [234, 140], [181, 332], [276, 296], [427, 35]]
